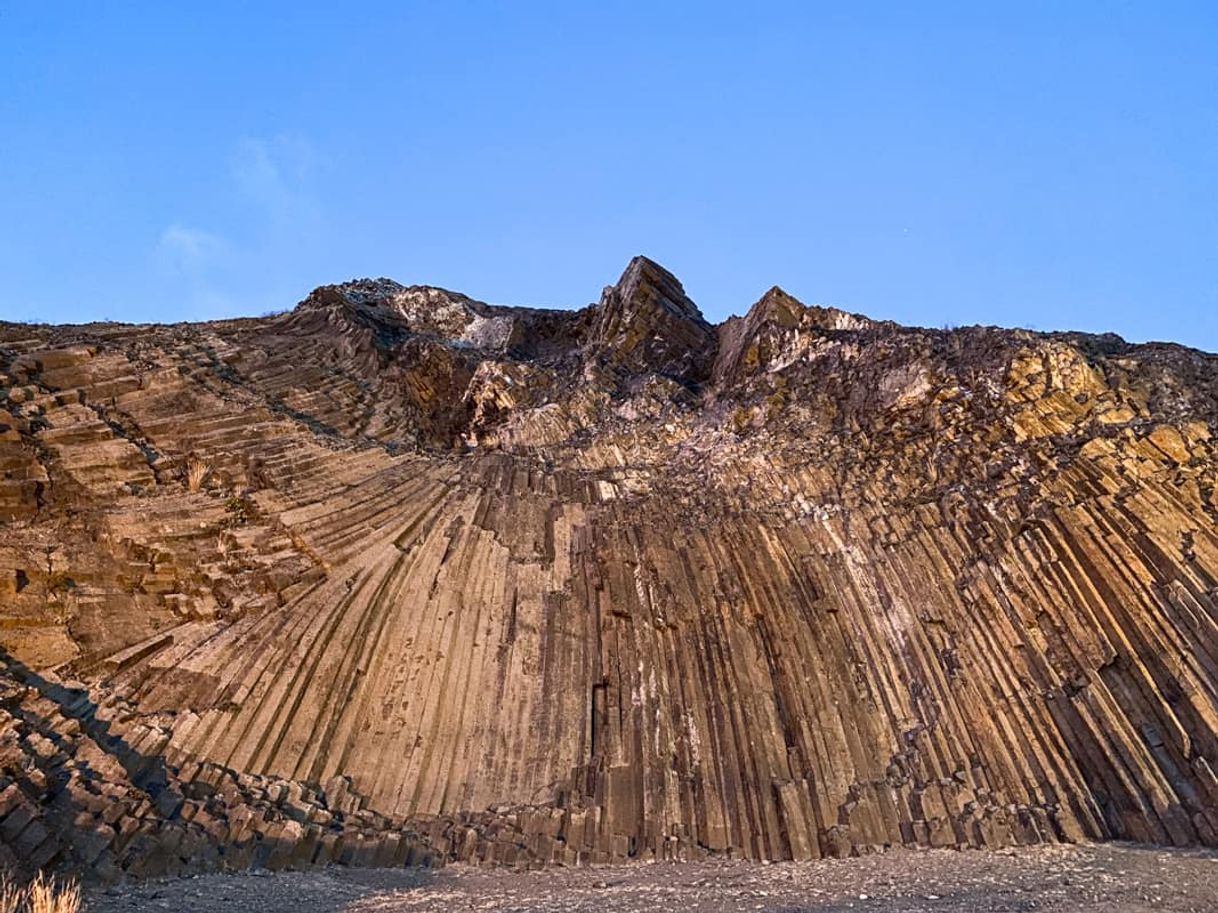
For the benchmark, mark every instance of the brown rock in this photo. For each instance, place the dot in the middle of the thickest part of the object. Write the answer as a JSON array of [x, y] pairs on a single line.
[[801, 585]]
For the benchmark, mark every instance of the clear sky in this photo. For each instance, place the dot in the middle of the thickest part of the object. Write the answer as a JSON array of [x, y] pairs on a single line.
[[1041, 164]]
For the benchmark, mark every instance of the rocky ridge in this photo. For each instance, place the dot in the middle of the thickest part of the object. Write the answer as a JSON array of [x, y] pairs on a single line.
[[402, 576]]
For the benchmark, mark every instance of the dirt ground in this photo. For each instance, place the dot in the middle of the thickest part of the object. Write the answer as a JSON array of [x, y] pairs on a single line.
[[1112, 878]]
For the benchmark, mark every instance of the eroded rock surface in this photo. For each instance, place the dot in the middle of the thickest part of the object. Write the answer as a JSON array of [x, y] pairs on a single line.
[[399, 575]]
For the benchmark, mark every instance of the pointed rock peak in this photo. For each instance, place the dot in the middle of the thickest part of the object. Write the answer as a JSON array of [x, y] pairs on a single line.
[[773, 332], [778, 306], [647, 324], [645, 283]]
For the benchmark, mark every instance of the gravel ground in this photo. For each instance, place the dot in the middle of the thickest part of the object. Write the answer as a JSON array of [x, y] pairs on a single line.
[[1113, 878]]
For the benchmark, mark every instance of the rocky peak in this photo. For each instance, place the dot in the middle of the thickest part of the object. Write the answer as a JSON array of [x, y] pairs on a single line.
[[779, 307], [423, 309], [775, 331], [426, 310], [646, 324]]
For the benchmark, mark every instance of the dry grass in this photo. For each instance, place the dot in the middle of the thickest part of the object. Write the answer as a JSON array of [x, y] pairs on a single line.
[[46, 895], [43, 895], [11, 896], [197, 474]]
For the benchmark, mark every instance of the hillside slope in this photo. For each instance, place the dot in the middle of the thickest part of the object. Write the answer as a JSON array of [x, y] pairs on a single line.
[[399, 575]]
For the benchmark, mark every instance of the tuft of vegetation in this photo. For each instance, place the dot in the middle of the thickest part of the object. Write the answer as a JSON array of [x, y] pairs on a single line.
[[239, 509], [11, 896], [197, 474], [44, 894]]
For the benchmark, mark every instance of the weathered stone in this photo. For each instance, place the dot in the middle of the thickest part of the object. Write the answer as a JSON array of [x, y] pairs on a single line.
[[399, 576]]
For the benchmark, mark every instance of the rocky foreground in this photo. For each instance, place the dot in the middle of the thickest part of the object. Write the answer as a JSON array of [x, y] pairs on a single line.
[[400, 577], [1115, 879]]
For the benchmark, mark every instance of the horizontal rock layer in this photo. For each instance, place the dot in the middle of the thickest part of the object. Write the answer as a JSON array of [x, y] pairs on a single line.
[[401, 576]]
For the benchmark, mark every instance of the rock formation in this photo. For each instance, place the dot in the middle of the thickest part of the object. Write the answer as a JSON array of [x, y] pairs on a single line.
[[401, 576]]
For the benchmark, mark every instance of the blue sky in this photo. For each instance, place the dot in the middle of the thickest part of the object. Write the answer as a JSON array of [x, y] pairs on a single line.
[[1052, 165]]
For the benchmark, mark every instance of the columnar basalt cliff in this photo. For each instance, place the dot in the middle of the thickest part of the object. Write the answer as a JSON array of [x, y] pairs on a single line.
[[399, 576]]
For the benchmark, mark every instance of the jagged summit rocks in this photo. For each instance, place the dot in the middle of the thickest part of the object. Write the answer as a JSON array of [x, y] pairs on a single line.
[[776, 327], [427, 311], [403, 576], [646, 324]]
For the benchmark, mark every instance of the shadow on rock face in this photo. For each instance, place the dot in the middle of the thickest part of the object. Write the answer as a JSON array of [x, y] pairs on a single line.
[[78, 798]]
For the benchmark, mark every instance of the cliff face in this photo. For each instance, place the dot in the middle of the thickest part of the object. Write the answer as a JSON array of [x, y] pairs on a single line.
[[399, 575]]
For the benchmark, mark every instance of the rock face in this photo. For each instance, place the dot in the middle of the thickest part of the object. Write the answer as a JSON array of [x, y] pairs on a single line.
[[401, 576], [645, 325]]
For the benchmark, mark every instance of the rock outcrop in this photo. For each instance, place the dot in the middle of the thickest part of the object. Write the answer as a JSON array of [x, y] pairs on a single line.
[[401, 576], [645, 325]]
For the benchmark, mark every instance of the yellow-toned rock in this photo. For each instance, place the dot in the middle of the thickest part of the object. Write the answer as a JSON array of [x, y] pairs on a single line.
[[1171, 443]]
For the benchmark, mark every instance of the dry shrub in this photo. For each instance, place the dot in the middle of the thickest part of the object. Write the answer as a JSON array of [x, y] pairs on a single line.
[[11, 896], [197, 474], [46, 895]]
